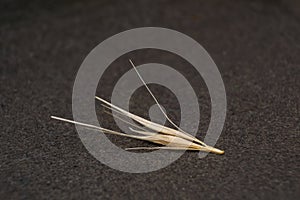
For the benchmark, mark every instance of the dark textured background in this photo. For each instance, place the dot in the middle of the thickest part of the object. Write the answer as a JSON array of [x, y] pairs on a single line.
[[255, 44]]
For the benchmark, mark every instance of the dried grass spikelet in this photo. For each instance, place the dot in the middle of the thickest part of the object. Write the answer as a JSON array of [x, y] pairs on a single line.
[[172, 139]]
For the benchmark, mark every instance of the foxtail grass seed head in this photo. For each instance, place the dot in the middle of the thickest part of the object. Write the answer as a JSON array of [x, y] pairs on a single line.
[[172, 139]]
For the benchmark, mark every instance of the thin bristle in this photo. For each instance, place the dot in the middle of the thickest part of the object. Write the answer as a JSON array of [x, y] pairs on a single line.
[[176, 143], [152, 125], [158, 148], [154, 98], [125, 121]]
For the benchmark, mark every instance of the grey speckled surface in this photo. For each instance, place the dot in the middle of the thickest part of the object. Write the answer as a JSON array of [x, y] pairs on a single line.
[[256, 46]]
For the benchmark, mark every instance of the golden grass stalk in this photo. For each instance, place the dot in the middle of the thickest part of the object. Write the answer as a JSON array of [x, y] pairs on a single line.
[[172, 139]]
